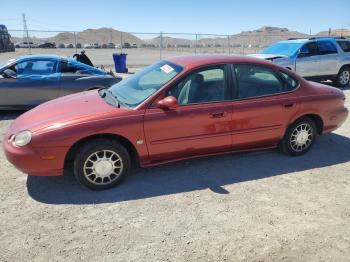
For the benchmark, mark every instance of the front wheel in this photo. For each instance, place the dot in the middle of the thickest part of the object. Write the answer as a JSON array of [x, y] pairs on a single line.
[[101, 164], [343, 77], [299, 137]]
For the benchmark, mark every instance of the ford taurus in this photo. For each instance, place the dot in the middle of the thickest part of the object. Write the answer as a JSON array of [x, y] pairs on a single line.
[[176, 109]]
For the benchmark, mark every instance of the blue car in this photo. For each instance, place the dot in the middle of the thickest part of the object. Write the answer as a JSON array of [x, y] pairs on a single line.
[[31, 80]]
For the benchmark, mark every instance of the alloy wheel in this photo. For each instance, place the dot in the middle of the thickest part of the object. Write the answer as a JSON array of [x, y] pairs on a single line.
[[103, 167], [344, 77], [301, 137]]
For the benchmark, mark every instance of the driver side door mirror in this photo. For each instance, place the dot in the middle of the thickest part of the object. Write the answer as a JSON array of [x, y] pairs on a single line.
[[167, 103], [303, 54]]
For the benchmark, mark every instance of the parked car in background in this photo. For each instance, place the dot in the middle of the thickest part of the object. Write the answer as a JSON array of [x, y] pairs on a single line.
[[134, 46], [61, 45], [26, 45], [316, 58], [47, 45], [78, 45], [97, 45], [69, 46], [110, 45], [104, 46], [88, 46], [31, 80], [176, 109], [126, 45]]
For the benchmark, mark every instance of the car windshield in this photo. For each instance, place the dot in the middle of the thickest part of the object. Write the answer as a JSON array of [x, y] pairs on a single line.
[[5, 64], [287, 49], [137, 88]]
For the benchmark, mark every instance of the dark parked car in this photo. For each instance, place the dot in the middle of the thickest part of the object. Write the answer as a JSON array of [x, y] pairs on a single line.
[[47, 45], [32, 80]]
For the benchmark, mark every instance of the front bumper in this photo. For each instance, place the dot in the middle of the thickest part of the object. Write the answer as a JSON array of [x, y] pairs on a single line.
[[34, 161]]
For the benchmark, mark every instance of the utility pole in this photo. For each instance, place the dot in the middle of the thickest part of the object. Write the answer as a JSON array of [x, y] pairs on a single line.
[[110, 36], [25, 31]]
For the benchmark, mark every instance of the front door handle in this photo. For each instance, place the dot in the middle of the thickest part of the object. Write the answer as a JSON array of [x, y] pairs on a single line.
[[218, 114]]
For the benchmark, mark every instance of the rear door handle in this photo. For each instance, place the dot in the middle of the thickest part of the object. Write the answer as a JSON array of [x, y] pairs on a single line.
[[288, 104], [218, 114]]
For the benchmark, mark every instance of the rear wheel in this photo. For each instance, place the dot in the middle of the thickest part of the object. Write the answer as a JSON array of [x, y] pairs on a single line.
[[299, 137], [343, 77], [101, 164]]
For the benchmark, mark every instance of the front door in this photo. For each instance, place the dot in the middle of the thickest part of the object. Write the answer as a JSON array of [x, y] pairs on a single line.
[[264, 104], [200, 124], [307, 61], [36, 81]]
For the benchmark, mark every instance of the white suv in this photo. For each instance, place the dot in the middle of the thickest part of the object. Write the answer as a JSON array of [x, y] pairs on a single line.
[[317, 58]]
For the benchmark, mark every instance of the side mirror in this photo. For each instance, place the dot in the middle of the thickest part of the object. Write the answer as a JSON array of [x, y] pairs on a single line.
[[303, 54], [8, 73], [167, 103]]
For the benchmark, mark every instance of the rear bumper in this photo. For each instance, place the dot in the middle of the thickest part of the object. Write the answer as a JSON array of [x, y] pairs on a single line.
[[335, 120], [30, 160]]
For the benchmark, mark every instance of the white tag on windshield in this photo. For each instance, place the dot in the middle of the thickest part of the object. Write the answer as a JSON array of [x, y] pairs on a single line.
[[166, 68]]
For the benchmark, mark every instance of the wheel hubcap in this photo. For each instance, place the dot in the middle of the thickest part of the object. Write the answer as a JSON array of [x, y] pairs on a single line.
[[301, 137], [344, 78], [103, 167]]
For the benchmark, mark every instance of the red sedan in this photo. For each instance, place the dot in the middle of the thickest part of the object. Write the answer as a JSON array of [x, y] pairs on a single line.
[[176, 109]]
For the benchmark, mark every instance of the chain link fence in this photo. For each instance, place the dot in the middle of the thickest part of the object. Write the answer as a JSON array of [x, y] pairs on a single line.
[[142, 49]]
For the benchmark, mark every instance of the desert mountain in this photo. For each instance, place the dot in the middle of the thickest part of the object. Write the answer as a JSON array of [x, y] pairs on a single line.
[[102, 35], [336, 32], [255, 38]]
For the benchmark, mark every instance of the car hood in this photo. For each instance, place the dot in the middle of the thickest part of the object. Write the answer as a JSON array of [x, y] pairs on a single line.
[[67, 110], [267, 56]]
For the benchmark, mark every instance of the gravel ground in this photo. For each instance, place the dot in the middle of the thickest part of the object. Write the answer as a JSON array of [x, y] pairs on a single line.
[[137, 57], [262, 206]]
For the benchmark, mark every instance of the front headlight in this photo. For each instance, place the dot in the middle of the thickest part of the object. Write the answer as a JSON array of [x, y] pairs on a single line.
[[22, 138]]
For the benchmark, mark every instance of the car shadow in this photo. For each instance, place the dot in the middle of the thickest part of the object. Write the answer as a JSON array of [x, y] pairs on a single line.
[[10, 115], [186, 176]]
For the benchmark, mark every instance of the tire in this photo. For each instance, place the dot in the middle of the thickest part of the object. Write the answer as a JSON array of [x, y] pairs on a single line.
[[101, 164], [295, 141], [343, 77]]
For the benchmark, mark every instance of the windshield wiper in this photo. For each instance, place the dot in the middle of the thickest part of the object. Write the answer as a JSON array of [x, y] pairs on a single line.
[[106, 93]]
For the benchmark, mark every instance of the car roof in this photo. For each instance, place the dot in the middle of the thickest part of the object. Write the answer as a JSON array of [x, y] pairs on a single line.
[[50, 57], [199, 60], [298, 41], [304, 40]]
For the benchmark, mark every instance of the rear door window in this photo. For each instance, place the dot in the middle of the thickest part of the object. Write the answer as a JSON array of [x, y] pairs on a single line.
[[326, 47], [256, 81], [345, 45]]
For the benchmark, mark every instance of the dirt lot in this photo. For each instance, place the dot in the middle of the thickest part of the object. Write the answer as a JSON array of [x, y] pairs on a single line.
[[261, 206], [138, 57]]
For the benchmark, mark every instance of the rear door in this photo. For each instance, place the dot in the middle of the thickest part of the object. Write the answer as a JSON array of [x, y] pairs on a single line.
[[329, 58], [264, 103], [307, 61], [37, 81]]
